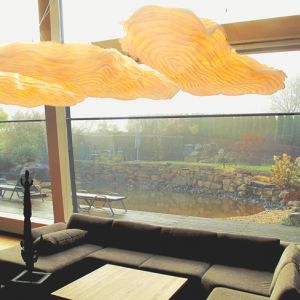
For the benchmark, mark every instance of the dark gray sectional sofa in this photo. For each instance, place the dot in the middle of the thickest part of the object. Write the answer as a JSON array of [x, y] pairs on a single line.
[[218, 266]]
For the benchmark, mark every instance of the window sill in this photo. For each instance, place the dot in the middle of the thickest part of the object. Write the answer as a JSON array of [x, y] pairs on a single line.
[[14, 223]]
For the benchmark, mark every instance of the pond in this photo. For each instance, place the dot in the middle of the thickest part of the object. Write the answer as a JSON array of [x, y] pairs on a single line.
[[187, 204]]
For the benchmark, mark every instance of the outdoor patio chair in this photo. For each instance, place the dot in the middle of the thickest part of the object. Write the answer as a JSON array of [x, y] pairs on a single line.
[[90, 200], [35, 190]]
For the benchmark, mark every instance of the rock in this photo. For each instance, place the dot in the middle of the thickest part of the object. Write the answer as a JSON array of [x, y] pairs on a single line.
[[210, 177], [207, 184], [242, 187], [242, 193], [155, 178], [247, 179], [261, 184], [179, 180], [238, 182], [198, 147], [293, 203], [200, 183], [268, 193], [282, 194], [295, 218], [275, 198], [216, 186], [256, 191], [226, 187], [231, 189], [226, 181]]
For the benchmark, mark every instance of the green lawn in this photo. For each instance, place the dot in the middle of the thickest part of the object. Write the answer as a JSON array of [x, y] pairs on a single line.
[[228, 167], [255, 168]]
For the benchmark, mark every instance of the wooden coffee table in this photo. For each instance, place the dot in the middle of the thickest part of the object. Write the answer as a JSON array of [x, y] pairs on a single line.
[[115, 282]]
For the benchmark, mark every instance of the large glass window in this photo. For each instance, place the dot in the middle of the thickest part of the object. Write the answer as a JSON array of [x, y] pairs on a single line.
[[187, 104], [229, 168], [23, 146], [99, 21], [19, 21], [217, 157], [23, 143]]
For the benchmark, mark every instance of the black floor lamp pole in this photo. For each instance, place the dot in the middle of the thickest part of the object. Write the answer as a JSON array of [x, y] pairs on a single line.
[[29, 252]]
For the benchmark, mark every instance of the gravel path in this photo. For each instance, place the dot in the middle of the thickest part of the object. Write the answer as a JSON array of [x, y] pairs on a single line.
[[264, 217]]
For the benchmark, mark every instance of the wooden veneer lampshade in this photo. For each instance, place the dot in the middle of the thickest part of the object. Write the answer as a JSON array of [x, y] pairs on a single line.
[[184, 51], [194, 53], [49, 73]]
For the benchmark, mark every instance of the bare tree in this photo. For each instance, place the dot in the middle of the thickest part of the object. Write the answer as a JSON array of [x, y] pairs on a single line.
[[288, 100]]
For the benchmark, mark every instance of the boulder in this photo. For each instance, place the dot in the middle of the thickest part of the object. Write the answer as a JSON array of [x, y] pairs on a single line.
[[282, 194], [295, 218], [261, 184], [242, 193], [293, 203], [242, 187]]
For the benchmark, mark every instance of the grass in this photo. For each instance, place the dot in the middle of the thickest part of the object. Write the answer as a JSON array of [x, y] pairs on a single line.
[[229, 167]]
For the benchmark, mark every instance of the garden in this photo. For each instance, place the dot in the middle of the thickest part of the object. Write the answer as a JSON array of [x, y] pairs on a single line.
[[245, 166]]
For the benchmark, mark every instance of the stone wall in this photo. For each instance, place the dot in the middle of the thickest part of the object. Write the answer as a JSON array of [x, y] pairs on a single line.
[[176, 178]]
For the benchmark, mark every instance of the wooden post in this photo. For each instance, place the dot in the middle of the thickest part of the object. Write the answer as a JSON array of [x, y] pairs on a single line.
[[50, 29]]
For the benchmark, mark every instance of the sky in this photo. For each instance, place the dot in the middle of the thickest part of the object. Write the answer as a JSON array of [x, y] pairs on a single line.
[[95, 20]]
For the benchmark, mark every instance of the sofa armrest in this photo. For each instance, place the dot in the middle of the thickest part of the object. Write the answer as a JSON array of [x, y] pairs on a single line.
[[287, 285], [37, 232]]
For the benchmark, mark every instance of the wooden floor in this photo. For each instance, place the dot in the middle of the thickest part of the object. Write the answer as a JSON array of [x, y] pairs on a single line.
[[7, 241]]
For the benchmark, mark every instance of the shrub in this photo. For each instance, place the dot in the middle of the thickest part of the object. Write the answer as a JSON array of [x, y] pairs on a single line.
[[5, 163], [284, 171]]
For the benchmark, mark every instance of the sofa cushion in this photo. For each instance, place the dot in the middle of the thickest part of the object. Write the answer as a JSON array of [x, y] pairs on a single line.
[[99, 229], [290, 254], [228, 294], [57, 261], [11, 262], [119, 256], [252, 281], [37, 232], [135, 236], [256, 253], [287, 286], [189, 243], [175, 266], [60, 240]]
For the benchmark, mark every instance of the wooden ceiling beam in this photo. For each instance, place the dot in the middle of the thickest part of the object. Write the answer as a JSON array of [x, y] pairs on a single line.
[[266, 35]]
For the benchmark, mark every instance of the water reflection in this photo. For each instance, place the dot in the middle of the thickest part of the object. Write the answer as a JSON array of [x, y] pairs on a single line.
[[187, 204]]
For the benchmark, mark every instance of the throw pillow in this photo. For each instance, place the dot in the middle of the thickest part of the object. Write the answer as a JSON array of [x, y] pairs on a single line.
[[59, 240]]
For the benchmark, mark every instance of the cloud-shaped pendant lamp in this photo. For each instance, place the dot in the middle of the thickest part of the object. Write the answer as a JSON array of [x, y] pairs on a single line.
[[49, 73], [194, 53], [27, 91]]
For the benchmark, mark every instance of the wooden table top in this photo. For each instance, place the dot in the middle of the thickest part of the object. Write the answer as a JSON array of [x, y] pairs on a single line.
[[112, 282]]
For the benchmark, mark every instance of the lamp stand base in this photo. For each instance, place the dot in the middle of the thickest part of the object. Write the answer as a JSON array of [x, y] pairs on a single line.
[[31, 277]]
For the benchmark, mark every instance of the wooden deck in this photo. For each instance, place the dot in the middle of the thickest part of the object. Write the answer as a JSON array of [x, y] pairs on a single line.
[[284, 233], [43, 209]]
